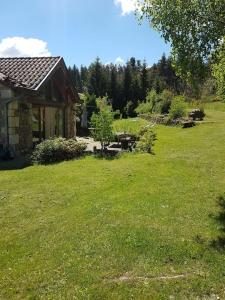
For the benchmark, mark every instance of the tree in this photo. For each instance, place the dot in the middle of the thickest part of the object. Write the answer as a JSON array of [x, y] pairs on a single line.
[[102, 124], [84, 77], [127, 84], [123, 84], [144, 81], [97, 80], [194, 28], [219, 72], [75, 77], [114, 90]]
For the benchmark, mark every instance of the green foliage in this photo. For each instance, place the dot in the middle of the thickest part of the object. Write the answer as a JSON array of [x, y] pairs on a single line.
[[219, 72], [56, 150], [152, 99], [156, 103], [146, 141], [101, 123], [149, 105], [144, 108], [102, 104], [97, 79], [164, 102], [125, 85], [90, 103], [193, 28], [75, 76], [130, 109], [178, 108]]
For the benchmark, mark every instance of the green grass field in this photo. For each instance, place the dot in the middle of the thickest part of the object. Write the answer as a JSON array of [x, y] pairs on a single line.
[[137, 227], [131, 126]]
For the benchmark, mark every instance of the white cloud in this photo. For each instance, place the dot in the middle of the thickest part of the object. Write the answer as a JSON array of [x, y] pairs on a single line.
[[119, 61], [127, 6], [23, 47]]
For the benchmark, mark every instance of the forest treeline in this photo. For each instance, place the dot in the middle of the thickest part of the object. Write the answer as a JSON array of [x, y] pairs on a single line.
[[127, 85]]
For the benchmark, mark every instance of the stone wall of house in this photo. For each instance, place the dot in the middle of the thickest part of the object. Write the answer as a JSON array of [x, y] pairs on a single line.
[[5, 95], [20, 126], [13, 124], [25, 127], [3, 124]]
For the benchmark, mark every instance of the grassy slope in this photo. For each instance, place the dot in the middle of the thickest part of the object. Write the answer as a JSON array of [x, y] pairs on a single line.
[[67, 230], [131, 126]]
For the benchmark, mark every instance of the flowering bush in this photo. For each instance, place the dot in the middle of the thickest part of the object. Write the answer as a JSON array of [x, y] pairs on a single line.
[[57, 149]]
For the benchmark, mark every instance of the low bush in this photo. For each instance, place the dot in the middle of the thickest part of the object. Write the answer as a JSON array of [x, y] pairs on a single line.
[[159, 119], [56, 150], [164, 102], [197, 114], [178, 108], [156, 103], [149, 105], [144, 108], [146, 140]]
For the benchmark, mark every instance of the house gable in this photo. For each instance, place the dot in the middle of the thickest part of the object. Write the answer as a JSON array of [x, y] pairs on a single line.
[[32, 88]]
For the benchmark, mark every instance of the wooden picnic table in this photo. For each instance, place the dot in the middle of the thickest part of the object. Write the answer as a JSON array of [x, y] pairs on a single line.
[[127, 140]]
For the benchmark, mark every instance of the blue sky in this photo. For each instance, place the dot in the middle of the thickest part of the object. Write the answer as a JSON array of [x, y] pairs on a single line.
[[78, 30]]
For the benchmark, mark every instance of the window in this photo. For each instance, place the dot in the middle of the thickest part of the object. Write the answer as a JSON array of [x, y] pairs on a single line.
[[38, 123], [47, 122]]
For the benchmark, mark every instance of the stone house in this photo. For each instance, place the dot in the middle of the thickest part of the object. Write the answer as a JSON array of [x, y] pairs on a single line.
[[37, 101]]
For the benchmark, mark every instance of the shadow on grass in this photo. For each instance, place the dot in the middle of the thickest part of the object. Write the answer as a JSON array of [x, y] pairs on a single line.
[[219, 242], [108, 154], [14, 164]]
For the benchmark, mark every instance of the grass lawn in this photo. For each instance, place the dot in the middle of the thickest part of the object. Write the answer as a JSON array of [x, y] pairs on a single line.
[[137, 227], [131, 126]]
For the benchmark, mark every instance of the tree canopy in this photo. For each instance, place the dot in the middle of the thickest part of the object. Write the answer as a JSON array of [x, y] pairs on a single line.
[[194, 28], [219, 71], [125, 85]]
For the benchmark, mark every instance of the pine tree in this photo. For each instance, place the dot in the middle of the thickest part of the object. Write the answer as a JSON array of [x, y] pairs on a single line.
[[144, 81], [127, 85], [97, 80]]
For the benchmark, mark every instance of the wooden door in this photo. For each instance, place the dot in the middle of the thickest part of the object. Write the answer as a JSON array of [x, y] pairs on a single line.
[[50, 122]]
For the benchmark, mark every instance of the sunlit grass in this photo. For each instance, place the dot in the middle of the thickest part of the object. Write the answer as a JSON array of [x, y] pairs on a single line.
[[118, 229], [131, 126]]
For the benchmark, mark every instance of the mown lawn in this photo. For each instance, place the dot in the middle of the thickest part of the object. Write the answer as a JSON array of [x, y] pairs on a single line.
[[131, 126], [138, 227]]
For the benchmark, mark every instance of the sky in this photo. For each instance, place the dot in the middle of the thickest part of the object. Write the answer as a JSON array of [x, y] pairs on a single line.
[[78, 30]]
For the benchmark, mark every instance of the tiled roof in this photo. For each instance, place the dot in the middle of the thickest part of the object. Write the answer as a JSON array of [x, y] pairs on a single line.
[[27, 72]]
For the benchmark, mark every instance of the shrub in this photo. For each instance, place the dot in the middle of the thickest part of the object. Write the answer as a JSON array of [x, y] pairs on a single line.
[[156, 103], [197, 114], [219, 71], [165, 102], [149, 105], [102, 126], [144, 108], [146, 140], [56, 150], [178, 108]]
